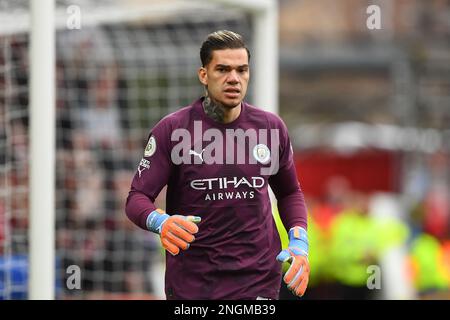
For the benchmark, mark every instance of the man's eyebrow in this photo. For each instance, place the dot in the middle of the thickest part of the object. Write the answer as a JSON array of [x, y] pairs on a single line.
[[220, 65]]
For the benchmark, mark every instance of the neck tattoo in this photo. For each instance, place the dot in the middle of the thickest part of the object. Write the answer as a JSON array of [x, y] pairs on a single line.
[[213, 110]]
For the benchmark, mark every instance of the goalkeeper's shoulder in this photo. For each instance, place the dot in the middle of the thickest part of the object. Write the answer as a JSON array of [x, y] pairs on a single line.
[[172, 121], [272, 120], [178, 115]]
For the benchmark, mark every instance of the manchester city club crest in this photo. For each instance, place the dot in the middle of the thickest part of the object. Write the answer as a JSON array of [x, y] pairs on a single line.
[[150, 148], [261, 153]]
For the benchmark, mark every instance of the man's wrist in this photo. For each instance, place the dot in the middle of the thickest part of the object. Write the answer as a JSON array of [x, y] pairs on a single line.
[[155, 220], [298, 239]]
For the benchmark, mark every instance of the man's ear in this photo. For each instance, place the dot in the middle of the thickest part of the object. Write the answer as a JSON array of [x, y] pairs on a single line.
[[203, 76]]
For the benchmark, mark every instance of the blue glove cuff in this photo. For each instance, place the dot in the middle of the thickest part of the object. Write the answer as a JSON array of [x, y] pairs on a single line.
[[155, 221], [298, 241]]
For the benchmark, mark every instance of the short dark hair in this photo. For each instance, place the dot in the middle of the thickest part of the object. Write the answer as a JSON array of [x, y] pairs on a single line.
[[220, 40]]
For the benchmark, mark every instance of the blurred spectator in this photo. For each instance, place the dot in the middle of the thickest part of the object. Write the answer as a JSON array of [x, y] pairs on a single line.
[[336, 198], [3, 226], [437, 200], [100, 119], [129, 251]]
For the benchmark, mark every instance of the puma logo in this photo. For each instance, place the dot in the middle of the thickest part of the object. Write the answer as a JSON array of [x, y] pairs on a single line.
[[200, 155], [140, 171], [144, 164]]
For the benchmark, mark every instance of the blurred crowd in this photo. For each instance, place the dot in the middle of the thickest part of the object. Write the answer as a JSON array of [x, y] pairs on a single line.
[[341, 74], [349, 237], [95, 162]]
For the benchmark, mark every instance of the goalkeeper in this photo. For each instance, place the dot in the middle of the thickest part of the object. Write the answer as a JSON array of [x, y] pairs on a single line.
[[218, 225]]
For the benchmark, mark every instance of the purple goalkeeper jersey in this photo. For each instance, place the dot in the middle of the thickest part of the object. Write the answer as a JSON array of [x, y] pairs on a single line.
[[224, 181]]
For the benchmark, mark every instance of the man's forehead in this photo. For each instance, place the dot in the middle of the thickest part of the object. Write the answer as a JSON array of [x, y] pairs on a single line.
[[231, 57]]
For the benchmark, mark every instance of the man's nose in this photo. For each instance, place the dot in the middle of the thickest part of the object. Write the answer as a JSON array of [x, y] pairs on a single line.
[[233, 77]]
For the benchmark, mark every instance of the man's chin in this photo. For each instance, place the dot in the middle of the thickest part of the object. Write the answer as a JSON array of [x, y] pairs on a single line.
[[226, 102], [231, 103]]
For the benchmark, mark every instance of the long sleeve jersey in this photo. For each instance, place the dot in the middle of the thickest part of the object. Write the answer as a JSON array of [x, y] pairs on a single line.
[[221, 172]]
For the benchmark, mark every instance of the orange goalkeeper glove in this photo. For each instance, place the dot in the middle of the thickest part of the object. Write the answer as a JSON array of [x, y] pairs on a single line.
[[176, 232], [297, 276]]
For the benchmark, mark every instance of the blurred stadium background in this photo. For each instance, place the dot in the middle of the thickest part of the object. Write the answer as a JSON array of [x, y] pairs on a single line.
[[368, 113]]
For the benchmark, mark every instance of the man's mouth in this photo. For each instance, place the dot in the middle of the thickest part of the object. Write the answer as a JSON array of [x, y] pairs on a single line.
[[232, 92]]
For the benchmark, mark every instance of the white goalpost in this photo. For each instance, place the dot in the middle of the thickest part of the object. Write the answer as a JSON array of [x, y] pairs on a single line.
[[42, 150], [93, 95]]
